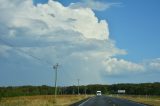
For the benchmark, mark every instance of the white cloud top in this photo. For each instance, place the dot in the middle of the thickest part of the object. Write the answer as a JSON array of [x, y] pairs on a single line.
[[52, 18]]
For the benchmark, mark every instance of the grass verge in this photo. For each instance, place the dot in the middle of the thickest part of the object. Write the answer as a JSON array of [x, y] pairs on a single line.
[[45, 100], [149, 100]]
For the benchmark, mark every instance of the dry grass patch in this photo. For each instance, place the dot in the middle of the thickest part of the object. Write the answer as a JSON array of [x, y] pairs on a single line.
[[150, 100], [47, 100]]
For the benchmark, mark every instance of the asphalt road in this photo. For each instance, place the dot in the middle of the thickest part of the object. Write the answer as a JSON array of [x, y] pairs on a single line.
[[108, 101]]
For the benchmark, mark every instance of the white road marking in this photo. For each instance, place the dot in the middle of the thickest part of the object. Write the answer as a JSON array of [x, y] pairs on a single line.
[[85, 101]]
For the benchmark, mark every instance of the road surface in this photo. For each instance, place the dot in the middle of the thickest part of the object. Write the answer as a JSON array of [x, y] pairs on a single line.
[[108, 101]]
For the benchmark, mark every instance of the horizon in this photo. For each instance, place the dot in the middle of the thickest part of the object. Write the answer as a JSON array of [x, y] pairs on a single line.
[[81, 85]]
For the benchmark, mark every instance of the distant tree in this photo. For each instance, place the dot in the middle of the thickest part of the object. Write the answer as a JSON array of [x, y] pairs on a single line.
[[132, 89]]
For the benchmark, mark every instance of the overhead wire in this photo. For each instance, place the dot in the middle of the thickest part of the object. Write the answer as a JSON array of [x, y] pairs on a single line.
[[39, 59], [26, 53]]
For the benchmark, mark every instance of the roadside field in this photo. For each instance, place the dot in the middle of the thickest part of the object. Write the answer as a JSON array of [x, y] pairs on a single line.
[[150, 100], [42, 100]]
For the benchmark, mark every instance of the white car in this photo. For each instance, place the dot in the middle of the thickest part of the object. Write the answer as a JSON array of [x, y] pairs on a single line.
[[98, 93]]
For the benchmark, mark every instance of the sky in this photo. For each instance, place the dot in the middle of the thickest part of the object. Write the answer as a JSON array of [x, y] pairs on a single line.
[[96, 41]]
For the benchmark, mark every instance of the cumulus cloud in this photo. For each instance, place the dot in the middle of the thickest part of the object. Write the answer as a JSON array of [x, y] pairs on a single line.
[[116, 66], [52, 24]]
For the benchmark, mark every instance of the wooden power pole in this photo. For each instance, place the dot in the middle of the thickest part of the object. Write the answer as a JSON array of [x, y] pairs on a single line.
[[55, 67]]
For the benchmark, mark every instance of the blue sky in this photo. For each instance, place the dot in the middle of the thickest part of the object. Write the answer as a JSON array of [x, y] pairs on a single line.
[[134, 26], [121, 45]]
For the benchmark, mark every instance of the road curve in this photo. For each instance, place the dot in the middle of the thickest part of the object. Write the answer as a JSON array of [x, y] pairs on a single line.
[[108, 101]]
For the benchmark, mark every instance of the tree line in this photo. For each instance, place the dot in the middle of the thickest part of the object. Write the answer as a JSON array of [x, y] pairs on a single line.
[[132, 89]]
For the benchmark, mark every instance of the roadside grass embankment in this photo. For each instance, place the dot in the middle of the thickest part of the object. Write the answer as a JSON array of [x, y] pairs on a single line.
[[144, 99], [42, 100]]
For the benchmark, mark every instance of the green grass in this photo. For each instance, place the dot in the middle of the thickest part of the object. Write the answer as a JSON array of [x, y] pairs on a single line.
[[45, 100]]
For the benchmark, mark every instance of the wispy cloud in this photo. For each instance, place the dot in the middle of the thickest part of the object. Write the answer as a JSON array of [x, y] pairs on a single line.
[[95, 5]]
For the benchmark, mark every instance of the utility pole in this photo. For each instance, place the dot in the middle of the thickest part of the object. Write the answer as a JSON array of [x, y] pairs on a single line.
[[55, 67], [73, 90], [85, 90], [78, 85]]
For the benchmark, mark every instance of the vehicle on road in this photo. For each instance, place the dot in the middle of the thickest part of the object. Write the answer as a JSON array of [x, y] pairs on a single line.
[[98, 93]]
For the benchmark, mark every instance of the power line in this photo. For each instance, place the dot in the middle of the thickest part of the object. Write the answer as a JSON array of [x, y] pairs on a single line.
[[39, 59], [26, 53]]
